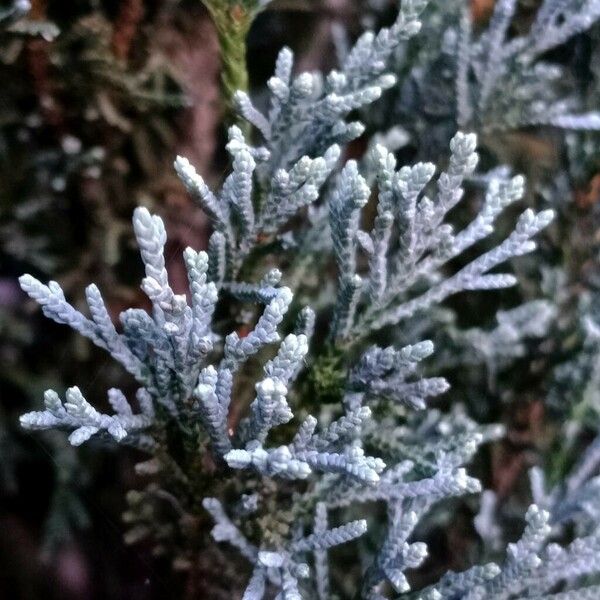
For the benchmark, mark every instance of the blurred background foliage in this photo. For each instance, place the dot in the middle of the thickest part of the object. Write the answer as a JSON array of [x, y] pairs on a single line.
[[98, 96]]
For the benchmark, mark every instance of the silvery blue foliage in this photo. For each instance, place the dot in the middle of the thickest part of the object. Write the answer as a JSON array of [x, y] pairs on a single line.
[[163, 351], [271, 475], [505, 82], [80, 417], [397, 554], [307, 113], [329, 451], [284, 567], [506, 340], [532, 569], [306, 118], [170, 353], [383, 372], [494, 76], [498, 347], [433, 439], [410, 243]]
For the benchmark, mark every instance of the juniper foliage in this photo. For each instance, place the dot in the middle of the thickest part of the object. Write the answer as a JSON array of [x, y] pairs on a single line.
[[274, 468], [505, 81], [493, 75]]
